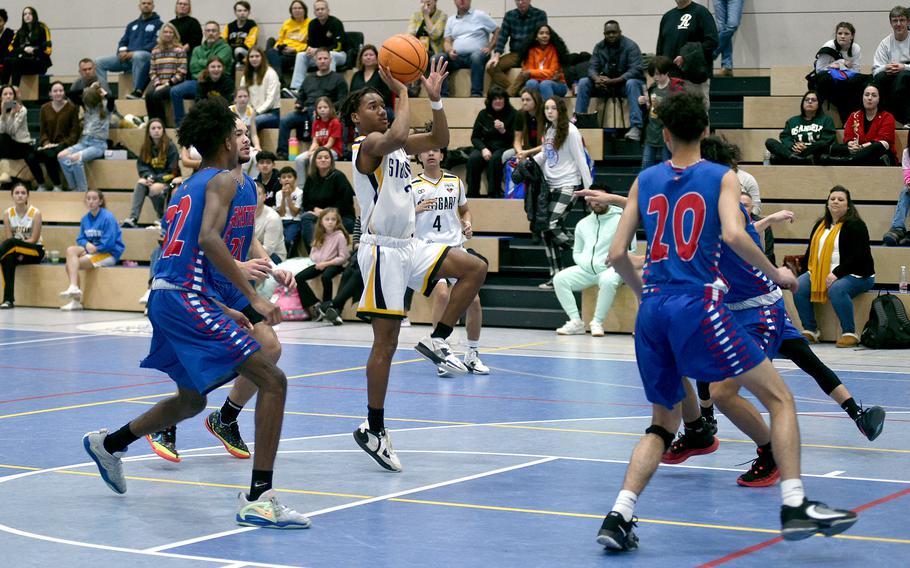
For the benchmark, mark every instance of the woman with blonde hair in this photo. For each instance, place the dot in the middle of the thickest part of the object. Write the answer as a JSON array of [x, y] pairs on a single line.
[[264, 87], [167, 68]]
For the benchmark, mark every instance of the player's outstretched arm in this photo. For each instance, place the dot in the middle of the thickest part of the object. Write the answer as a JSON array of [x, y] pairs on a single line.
[[622, 240], [784, 215], [439, 136]]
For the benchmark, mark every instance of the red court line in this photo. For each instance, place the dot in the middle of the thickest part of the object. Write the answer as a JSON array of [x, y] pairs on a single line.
[[775, 540], [81, 371], [59, 394]]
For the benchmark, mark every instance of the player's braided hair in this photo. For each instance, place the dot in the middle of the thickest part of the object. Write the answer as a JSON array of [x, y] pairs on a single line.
[[206, 126], [352, 103]]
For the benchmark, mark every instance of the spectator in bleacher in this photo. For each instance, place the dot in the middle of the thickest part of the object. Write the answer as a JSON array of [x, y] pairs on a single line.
[[593, 236], [839, 79], [891, 66], [268, 228], [565, 168], [264, 88], [134, 51], [519, 26], [6, 35], [840, 266], [655, 150], [492, 135], [87, 76], [326, 133], [21, 240], [59, 128], [727, 15], [167, 68], [92, 143], [15, 140], [469, 38], [99, 243], [325, 187], [241, 34], [30, 50], [321, 83], [351, 287], [268, 177], [188, 27], [897, 234], [543, 58], [688, 36], [367, 75], [868, 136], [247, 114], [292, 39], [215, 82], [614, 72], [159, 167], [288, 204], [329, 255], [429, 26], [211, 46], [529, 127], [323, 31], [805, 137], [190, 159]]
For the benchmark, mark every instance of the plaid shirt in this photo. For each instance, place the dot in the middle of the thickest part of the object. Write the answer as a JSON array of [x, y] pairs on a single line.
[[518, 27]]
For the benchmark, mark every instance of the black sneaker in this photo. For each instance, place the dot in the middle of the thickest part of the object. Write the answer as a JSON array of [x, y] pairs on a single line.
[[763, 472], [331, 314], [870, 421], [227, 434], [813, 517], [137, 94], [690, 443], [710, 423], [164, 444], [128, 223], [617, 534], [7, 305], [893, 237]]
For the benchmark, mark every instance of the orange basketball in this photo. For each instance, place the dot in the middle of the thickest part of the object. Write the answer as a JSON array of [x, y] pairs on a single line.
[[405, 57]]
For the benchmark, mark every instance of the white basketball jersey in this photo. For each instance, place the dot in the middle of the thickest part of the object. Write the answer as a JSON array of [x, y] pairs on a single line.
[[441, 223], [386, 207], [21, 227]]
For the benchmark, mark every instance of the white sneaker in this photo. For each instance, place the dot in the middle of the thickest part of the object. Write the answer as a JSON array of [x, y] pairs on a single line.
[[378, 446], [438, 351], [474, 364], [597, 329], [57, 188], [145, 298], [73, 292], [267, 513], [156, 226], [72, 306], [443, 373], [572, 327], [634, 133], [109, 465], [405, 322]]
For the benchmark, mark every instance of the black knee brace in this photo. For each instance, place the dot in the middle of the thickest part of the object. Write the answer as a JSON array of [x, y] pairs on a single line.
[[704, 391], [667, 437]]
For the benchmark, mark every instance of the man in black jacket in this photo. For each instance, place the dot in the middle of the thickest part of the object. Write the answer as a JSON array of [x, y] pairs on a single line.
[[688, 36]]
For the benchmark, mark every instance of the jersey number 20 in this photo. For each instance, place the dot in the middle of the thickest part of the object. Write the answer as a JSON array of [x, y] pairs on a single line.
[[690, 203]]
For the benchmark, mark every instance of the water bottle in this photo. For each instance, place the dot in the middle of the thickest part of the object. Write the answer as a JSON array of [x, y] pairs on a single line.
[[766, 158], [902, 287], [293, 147]]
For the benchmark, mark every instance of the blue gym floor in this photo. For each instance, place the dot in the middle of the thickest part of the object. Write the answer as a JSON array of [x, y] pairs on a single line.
[[512, 469]]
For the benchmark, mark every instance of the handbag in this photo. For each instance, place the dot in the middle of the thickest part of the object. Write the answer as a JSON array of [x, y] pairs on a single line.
[[514, 190], [289, 304]]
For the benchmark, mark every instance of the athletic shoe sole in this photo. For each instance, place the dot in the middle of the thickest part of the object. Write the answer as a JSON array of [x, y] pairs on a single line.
[[766, 481], [439, 361], [161, 451], [372, 454], [239, 454], [609, 542], [671, 459], [101, 469], [810, 528], [264, 524]]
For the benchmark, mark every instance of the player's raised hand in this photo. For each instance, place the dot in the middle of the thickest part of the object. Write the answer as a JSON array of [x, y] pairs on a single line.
[[433, 83], [394, 84], [269, 311]]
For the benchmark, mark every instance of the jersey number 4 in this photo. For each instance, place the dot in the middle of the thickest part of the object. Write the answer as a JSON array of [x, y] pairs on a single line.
[[686, 246], [176, 217]]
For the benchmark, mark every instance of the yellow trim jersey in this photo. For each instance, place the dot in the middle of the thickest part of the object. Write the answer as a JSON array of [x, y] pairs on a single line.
[[386, 207], [21, 227], [441, 223]]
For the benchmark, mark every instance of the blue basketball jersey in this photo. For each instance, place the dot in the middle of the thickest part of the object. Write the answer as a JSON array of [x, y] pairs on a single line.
[[744, 280], [238, 231], [680, 215]]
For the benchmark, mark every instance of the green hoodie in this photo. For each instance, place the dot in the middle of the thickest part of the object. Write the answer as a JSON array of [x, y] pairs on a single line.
[[818, 131], [593, 236]]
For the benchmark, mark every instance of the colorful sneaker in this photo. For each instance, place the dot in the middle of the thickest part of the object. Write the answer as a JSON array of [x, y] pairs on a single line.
[[438, 351], [267, 513], [110, 466], [763, 473], [164, 444], [690, 443], [870, 421], [378, 446], [474, 364], [813, 517], [617, 534], [227, 434]]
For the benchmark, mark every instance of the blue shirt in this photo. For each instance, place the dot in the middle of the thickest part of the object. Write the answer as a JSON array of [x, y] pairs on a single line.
[[238, 230], [103, 231], [744, 280], [680, 214], [470, 32], [141, 35]]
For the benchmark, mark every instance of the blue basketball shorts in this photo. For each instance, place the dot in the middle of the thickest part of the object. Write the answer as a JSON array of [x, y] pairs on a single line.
[[765, 325], [232, 297]]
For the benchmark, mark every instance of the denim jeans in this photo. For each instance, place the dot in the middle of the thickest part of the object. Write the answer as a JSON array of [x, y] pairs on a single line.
[[302, 63], [293, 121], [138, 66], [651, 155], [179, 92], [727, 14], [270, 119], [291, 234], [632, 89], [840, 294], [901, 210], [74, 170], [476, 62], [547, 88]]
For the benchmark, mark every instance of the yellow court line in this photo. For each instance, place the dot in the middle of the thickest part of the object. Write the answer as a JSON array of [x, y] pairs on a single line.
[[85, 405], [22, 467]]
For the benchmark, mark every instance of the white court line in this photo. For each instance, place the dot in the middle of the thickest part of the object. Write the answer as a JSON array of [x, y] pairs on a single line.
[[46, 340], [361, 502], [565, 379]]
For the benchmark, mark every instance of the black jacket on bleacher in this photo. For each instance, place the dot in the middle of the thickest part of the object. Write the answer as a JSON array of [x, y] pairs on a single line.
[[484, 135]]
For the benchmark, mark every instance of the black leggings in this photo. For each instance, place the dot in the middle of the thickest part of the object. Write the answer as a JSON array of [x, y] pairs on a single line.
[[798, 351], [307, 297], [351, 287], [13, 150], [782, 154], [14, 252], [868, 156]]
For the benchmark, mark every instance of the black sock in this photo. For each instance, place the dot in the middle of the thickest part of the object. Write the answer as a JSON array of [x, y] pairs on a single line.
[[230, 411], [707, 412], [851, 407], [696, 426], [442, 331], [119, 440], [261, 482], [375, 417], [766, 449]]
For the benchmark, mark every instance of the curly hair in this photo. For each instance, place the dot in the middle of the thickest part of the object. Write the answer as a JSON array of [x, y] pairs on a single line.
[[562, 122], [206, 126], [562, 52], [684, 115], [351, 104], [718, 150]]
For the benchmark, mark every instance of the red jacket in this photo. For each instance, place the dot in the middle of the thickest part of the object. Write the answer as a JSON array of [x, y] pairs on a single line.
[[881, 129]]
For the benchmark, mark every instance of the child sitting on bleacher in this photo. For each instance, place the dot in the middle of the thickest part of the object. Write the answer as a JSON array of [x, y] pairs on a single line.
[[329, 253], [326, 133]]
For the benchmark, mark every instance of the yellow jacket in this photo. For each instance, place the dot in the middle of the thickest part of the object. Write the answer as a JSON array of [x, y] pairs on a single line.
[[293, 34]]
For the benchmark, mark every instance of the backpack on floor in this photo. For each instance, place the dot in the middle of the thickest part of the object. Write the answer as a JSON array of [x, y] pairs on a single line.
[[888, 326], [289, 303]]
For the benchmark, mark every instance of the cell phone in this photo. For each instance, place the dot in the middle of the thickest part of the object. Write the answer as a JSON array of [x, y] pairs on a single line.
[[8, 106]]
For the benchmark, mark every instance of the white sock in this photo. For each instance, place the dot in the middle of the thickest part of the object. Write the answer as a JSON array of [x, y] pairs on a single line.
[[625, 504], [791, 490], [474, 344]]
